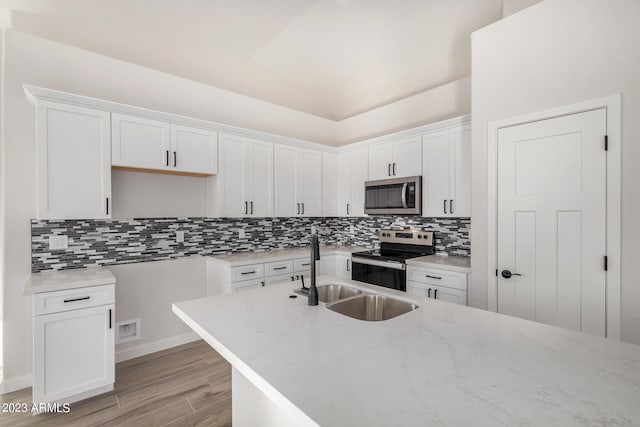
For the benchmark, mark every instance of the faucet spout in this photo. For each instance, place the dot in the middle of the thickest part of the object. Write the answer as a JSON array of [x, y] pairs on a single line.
[[315, 256]]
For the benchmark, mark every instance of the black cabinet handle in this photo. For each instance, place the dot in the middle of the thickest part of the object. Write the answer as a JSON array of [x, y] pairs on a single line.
[[110, 315], [76, 299], [435, 294], [389, 169], [107, 206], [280, 268], [175, 159], [444, 206], [298, 212], [348, 265], [429, 293], [347, 208], [167, 158], [451, 206], [262, 283], [394, 169], [304, 265], [246, 208], [433, 277], [251, 204], [248, 272]]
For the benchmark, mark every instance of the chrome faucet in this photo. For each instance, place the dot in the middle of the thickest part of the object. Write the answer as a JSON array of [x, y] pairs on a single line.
[[315, 256]]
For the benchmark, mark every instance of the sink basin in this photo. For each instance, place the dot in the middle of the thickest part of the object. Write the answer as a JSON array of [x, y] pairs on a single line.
[[372, 307], [330, 293]]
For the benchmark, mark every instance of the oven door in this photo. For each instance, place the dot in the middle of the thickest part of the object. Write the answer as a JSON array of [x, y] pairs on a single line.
[[388, 274], [394, 196]]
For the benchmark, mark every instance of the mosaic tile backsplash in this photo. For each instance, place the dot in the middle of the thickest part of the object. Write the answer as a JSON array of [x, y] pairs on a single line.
[[120, 241]]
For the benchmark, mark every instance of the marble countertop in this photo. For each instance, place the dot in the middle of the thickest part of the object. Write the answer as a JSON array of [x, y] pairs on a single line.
[[244, 258], [444, 262], [48, 281], [442, 364]]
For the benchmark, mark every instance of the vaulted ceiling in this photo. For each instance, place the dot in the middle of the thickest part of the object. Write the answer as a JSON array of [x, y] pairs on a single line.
[[330, 58]]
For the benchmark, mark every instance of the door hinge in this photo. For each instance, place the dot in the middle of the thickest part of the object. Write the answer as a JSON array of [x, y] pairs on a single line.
[[606, 143], [606, 263]]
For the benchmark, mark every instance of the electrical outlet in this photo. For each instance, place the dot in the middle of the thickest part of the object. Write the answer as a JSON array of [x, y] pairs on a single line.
[[313, 229], [352, 229], [241, 233], [179, 236], [58, 242]]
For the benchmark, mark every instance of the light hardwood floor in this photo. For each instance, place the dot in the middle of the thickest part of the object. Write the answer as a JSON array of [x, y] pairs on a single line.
[[188, 385]]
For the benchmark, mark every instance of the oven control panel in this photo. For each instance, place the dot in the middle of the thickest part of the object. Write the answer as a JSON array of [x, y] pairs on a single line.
[[409, 237]]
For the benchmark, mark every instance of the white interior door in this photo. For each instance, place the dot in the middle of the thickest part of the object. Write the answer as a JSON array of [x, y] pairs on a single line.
[[551, 221]]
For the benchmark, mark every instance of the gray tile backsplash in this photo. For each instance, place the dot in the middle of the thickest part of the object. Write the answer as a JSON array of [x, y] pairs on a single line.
[[121, 241]]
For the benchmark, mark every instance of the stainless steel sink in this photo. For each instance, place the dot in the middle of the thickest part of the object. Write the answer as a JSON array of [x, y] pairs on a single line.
[[372, 307], [331, 293]]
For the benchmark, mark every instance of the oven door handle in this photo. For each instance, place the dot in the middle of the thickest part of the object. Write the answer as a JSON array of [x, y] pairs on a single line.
[[388, 264], [404, 194]]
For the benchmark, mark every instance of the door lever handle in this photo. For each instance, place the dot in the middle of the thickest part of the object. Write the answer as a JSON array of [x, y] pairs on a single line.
[[507, 274]]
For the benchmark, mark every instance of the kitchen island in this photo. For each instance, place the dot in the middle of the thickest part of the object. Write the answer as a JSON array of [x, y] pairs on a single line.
[[441, 364]]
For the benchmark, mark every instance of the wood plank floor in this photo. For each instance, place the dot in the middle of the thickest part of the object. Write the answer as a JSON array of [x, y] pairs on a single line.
[[189, 385]]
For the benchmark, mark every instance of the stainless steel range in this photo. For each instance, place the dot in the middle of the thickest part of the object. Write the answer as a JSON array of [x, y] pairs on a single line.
[[387, 267]]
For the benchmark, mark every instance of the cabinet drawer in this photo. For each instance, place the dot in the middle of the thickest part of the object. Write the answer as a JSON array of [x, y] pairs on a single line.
[[441, 293], [247, 284], [302, 264], [247, 272], [432, 276], [278, 268], [73, 299], [277, 279]]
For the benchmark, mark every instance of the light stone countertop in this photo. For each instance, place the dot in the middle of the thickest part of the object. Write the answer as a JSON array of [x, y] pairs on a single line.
[[274, 255], [442, 364], [444, 262], [48, 281]]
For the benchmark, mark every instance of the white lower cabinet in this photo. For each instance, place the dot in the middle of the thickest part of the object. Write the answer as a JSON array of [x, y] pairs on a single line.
[[343, 266], [438, 284], [73, 344]]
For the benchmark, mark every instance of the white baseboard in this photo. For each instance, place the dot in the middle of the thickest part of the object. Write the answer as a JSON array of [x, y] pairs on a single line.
[[7, 386], [152, 347]]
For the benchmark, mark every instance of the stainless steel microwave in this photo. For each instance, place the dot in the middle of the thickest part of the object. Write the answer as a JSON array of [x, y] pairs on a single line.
[[396, 196]]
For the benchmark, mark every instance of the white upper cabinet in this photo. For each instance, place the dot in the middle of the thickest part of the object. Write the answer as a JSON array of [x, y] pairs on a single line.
[[140, 143], [297, 181], [74, 161], [246, 177], [446, 182], [156, 145], [330, 185], [194, 150], [352, 173], [396, 159]]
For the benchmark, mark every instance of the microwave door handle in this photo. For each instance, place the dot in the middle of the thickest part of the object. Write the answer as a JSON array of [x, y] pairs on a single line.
[[404, 195]]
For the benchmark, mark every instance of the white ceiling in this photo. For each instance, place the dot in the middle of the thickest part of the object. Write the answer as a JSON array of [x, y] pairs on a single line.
[[330, 58]]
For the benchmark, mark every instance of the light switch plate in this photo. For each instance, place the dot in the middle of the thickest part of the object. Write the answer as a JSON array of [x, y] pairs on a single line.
[[179, 236], [241, 233], [58, 242]]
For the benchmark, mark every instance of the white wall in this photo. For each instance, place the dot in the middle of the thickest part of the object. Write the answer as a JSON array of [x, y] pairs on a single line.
[[152, 195], [443, 102], [555, 53], [509, 7]]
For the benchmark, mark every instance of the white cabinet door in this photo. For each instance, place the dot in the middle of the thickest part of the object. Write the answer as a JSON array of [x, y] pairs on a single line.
[[194, 150], [73, 353], [461, 141], [343, 266], [259, 167], [140, 143], [328, 265], [455, 296], [309, 182], [437, 174], [380, 160], [232, 176], [73, 158], [407, 157], [359, 174], [285, 181], [330, 184], [344, 188]]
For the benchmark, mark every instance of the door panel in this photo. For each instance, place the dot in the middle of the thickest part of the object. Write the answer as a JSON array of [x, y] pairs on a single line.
[[140, 143], [330, 186], [309, 182], [259, 164], [407, 156], [194, 150], [359, 174], [232, 168], [461, 191], [285, 180], [551, 221], [344, 202], [380, 159], [437, 173]]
